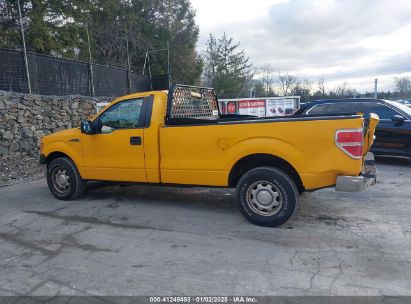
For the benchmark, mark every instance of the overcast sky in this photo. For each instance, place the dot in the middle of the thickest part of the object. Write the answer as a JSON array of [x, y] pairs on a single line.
[[340, 40]]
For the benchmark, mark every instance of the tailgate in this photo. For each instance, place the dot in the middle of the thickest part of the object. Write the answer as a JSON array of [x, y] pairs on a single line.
[[368, 176], [369, 131]]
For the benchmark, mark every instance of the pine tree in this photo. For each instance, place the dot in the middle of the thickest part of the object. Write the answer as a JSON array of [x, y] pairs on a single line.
[[176, 26], [211, 59], [227, 69]]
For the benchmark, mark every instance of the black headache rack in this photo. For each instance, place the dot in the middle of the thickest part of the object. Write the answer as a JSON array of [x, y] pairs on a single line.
[[191, 104]]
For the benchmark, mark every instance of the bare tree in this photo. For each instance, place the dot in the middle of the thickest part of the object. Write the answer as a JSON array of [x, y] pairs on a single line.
[[286, 82], [307, 85], [264, 80], [342, 91], [402, 85], [303, 89], [321, 86]]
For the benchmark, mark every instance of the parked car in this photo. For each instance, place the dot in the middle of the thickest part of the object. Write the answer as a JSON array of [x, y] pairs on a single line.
[[406, 102], [181, 138], [393, 133]]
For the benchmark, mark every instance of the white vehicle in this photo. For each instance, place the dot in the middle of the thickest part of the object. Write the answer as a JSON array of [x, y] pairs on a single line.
[[406, 102]]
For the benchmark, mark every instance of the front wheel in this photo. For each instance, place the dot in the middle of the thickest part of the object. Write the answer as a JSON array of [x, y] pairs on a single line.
[[64, 180], [267, 196]]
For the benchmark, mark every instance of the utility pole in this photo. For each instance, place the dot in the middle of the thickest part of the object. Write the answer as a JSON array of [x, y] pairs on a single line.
[[90, 64], [149, 70], [128, 65], [144, 67], [376, 88], [24, 48], [168, 63], [147, 63]]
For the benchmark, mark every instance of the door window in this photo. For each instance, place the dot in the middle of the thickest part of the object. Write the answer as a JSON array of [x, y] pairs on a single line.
[[123, 115], [342, 108], [317, 110], [382, 111]]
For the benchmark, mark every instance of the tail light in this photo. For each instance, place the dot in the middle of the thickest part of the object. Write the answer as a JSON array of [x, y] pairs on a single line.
[[350, 141]]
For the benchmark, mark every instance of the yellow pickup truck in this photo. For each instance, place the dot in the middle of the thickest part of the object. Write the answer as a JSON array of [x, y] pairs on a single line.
[[180, 138]]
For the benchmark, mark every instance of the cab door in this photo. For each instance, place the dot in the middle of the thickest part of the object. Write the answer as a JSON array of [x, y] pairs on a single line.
[[391, 138], [116, 151]]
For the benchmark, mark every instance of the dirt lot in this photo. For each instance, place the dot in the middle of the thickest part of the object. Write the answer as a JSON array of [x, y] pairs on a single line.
[[160, 241]]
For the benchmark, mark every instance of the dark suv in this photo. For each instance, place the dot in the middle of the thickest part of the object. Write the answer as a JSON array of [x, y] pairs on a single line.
[[393, 134]]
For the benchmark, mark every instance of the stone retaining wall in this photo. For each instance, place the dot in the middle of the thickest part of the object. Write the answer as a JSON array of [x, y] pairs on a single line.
[[25, 118]]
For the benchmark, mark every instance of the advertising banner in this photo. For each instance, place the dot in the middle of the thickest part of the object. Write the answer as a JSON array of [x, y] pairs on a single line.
[[279, 107], [252, 107]]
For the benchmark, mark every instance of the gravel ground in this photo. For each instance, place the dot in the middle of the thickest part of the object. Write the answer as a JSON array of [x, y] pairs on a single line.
[[17, 169]]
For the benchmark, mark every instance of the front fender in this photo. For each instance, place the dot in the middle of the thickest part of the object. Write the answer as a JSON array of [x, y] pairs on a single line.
[[73, 152]]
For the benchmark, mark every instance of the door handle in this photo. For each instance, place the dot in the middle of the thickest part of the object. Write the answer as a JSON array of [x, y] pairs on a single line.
[[135, 140]]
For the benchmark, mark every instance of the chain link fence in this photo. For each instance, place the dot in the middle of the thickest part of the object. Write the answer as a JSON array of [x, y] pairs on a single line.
[[57, 76]]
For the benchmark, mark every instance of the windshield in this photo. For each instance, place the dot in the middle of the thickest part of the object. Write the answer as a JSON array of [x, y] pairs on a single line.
[[400, 106]]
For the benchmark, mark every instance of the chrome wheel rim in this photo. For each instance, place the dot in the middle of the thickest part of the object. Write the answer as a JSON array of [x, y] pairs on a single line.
[[61, 180], [264, 198]]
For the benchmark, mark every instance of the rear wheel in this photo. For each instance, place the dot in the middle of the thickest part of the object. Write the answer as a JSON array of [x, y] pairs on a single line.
[[64, 180], [267, 196]]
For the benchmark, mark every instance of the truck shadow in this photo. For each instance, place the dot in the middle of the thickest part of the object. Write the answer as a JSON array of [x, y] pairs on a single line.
[[322, 219], [319, 216], [200, 197], [203, 201], [324, 208]]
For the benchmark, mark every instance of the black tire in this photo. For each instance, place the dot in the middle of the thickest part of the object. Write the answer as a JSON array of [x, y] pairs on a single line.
[[266, 196], [62, 171]]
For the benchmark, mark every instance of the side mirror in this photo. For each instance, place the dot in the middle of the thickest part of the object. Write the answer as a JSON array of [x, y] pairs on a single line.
[[398, 120], [86, 127]]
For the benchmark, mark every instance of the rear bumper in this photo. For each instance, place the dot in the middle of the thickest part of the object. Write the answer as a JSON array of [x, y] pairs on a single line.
[[367, 178]]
